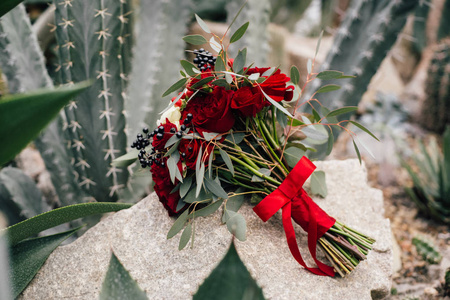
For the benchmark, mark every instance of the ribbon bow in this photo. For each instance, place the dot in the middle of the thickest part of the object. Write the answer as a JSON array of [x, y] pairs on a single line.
[[295, 203]]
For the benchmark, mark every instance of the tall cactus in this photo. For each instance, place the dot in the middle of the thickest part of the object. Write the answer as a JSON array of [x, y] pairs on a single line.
[[367, 33], [156, 59], [435, 112], [256, 39], [22, 63], [94, 43]]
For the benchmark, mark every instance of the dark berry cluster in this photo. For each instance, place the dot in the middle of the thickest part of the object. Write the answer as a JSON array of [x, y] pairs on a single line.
[[147, 159], [204, 59]]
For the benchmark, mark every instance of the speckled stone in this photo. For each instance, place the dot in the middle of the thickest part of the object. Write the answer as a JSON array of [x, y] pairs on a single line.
[[138, 238]]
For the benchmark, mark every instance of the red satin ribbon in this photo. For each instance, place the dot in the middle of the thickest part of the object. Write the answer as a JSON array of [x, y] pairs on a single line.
[[295, 203]]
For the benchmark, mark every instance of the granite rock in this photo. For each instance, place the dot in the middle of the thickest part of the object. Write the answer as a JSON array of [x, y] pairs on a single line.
[[138, 238]]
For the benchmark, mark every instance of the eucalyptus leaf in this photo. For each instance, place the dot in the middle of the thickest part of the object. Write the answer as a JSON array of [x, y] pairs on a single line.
[[309, 66], [195, 39], [318, 184], [202, 82], [207, 210], [220, 82], [176, 86], [329, 74], [118, 283], [313, 133], [237, 226], [253, 76], [226, 158], [178, 224], [318, 43], [215, 188], [235, 138], [202, 24], [126, 159], [276, 104], [200, 175], [239, 61], [215, 45], [210, 135], [173, 139], [220, 65], [189, 68], [55, 217], [239, 33], [364, 129], [357, 151], [293, 155], [27, 257], [229, 280], [281, 118], [341, 111], [295, 75], [172, 166], [328, 88], [185, 186], [185, 236], [23, 116], [330, 142]]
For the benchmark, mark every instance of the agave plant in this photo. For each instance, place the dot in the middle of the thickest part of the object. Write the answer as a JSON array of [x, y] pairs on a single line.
[[431, 190]]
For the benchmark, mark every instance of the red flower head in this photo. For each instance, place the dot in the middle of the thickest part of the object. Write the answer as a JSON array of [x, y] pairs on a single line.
[[250, 100], [211, 112], [164, 186], [160, 143], [191, 148]]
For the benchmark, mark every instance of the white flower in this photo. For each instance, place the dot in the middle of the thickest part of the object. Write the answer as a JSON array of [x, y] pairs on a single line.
[[173, 115]]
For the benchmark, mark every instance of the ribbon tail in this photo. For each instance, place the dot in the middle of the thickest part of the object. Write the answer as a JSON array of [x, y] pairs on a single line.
[[292, 243], [312, 241]]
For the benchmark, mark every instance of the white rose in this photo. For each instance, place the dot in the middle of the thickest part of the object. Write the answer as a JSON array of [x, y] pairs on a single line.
[[173, 115]]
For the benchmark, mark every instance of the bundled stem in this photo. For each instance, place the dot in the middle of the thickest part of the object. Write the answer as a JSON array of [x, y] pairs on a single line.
[[343, 246]]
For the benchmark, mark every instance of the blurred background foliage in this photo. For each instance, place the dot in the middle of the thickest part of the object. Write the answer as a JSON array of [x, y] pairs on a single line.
[[399, 51]]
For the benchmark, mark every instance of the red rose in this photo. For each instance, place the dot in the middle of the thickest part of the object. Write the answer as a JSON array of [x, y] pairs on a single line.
[[164, 186], [159, 144], [211, 112], [248, 101], [275, 85], [191, 148]]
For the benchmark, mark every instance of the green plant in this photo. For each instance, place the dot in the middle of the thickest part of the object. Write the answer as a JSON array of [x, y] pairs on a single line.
[[427, 250], [363, 40], [435, 113], [431, 190]]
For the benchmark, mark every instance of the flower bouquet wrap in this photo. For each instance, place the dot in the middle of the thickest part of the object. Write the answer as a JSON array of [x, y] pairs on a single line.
[[229, 136]]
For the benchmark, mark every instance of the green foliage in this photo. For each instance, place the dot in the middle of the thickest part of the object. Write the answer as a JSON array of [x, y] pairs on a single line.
[[7, 5], [118, 283], [32, 112], [444, 26], [94, 125], [367, 33], [19, 196], [427, 250], [50, 219], [435, 114], [419, 27], [27, 258], [431, 190], [229, 280]]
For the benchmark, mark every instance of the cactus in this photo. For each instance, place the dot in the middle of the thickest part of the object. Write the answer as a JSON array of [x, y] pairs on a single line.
[[419, 26], [447, 283], [444, 25], [288, 12], [257, 12], [94, 124], [431, 191], [427, 250], [156, 60], [367, 33], [435, 113], [23, 65]]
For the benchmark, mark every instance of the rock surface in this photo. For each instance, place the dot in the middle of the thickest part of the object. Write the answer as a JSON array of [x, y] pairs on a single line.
[[138, 238]]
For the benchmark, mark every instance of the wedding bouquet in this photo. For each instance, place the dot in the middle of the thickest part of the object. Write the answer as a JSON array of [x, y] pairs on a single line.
[[229, 136]]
